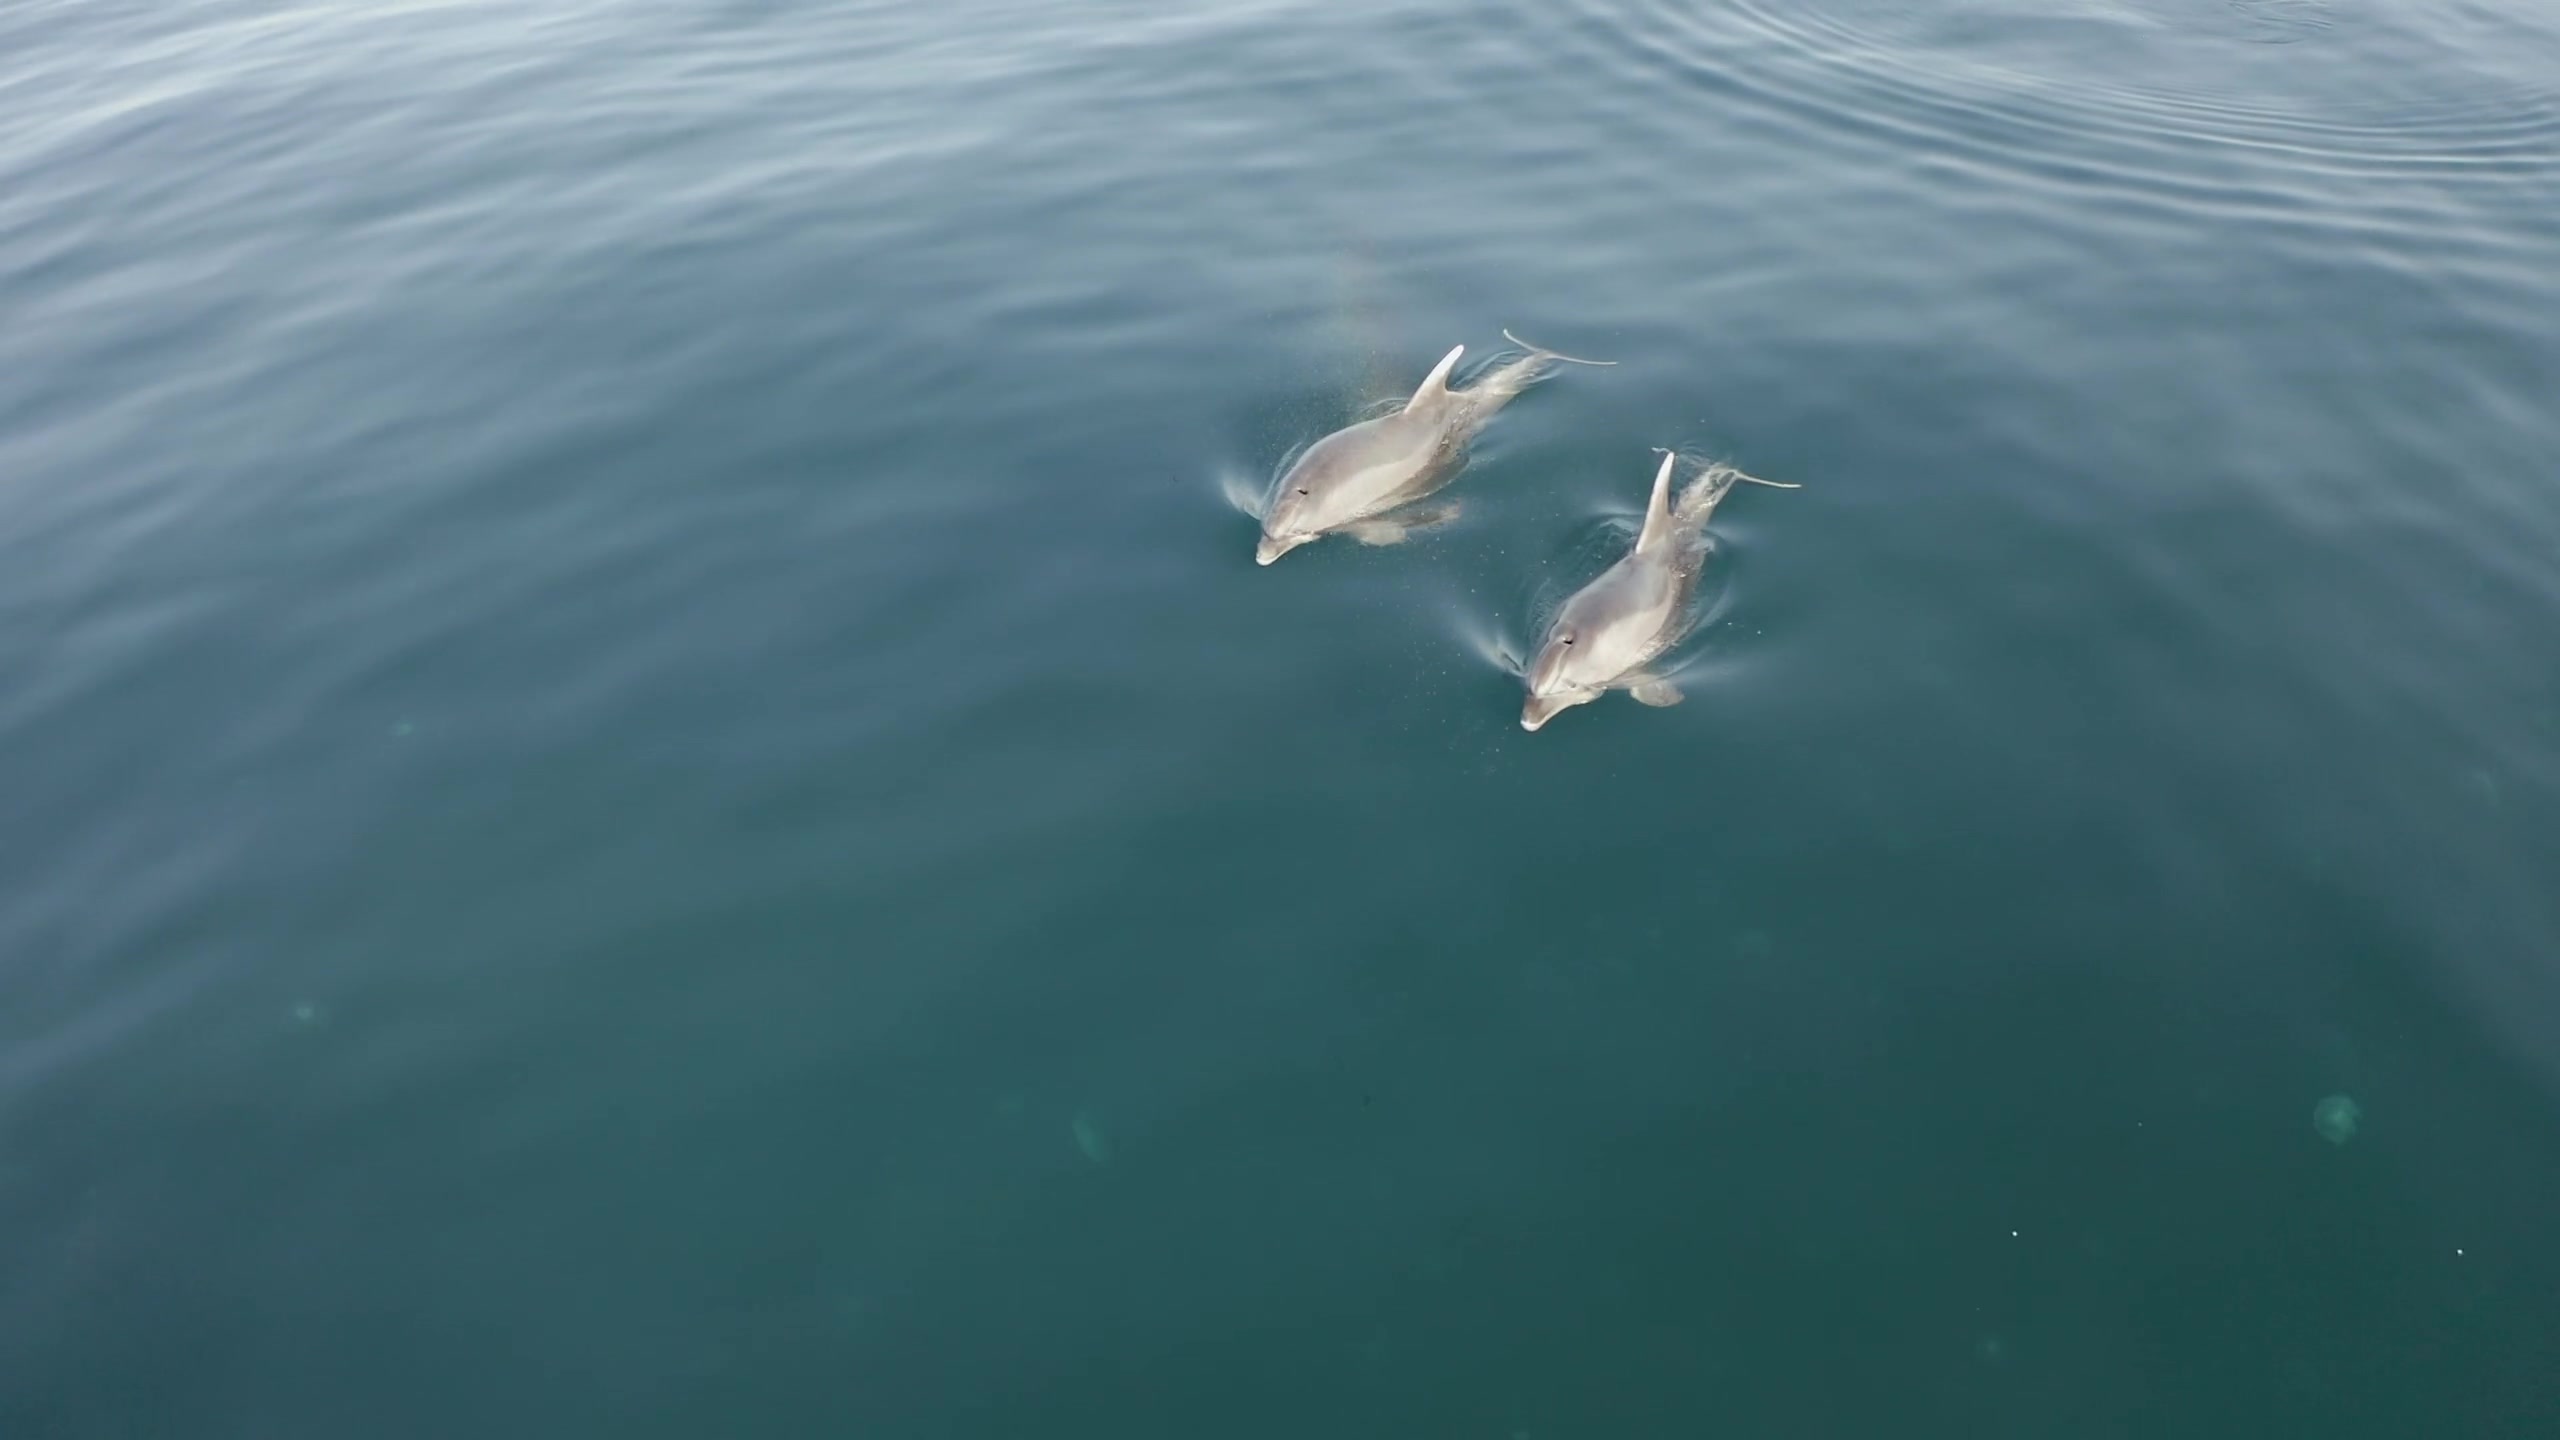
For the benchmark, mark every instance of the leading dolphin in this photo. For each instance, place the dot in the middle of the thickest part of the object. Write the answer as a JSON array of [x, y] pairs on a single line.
[[1622, 622], [1348, 481]]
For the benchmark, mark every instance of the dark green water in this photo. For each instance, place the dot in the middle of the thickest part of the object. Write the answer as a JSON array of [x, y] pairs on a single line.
[[646, 788]]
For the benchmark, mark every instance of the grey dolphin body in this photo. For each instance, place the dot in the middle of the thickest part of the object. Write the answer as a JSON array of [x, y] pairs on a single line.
[[1614, 627], [1349, 481]]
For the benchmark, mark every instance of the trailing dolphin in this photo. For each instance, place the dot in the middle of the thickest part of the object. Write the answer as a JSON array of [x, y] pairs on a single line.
[[1349, 481], [1614, 627]]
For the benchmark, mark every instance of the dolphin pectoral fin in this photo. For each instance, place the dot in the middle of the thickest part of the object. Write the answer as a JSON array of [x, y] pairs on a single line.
[[1397, 528], [1429, 517], [1656, 692]]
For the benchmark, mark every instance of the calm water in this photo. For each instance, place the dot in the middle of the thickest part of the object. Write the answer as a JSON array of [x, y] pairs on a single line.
[[646, 788]]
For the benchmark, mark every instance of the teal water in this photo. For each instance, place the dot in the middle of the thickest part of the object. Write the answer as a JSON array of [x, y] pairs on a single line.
[[647, 789]]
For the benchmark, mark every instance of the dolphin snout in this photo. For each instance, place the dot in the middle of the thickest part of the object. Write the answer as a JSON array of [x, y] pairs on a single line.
[[1542, 708], [1273, 547]]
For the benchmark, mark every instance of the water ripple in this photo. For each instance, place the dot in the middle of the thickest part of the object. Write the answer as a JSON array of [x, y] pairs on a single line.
[[2195, 118]]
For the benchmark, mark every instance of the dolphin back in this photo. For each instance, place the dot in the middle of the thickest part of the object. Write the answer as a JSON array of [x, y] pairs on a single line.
[[1500, 385], [1708, 489], [1355, 471], [1635, 610], [1466, 411]]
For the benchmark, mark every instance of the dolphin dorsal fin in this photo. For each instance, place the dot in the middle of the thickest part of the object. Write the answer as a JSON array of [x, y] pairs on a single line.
[[1435, 384], [1657, 511]]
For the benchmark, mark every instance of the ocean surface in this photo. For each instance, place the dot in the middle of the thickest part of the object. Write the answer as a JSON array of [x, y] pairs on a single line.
[[647, 788]]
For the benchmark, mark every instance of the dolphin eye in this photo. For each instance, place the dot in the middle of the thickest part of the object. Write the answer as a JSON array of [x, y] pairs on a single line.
[[1302, 490], [1568, 639]]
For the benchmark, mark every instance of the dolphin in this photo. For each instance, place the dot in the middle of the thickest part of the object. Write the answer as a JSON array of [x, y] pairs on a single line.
[[1614, 627], [1349, 481]]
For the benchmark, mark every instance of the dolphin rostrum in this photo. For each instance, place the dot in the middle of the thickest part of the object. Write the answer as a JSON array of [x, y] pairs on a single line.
[[1614, 627], [1349, 481]]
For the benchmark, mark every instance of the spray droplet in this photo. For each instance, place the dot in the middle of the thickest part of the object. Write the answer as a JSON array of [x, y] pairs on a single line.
[[2336, 1118]]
